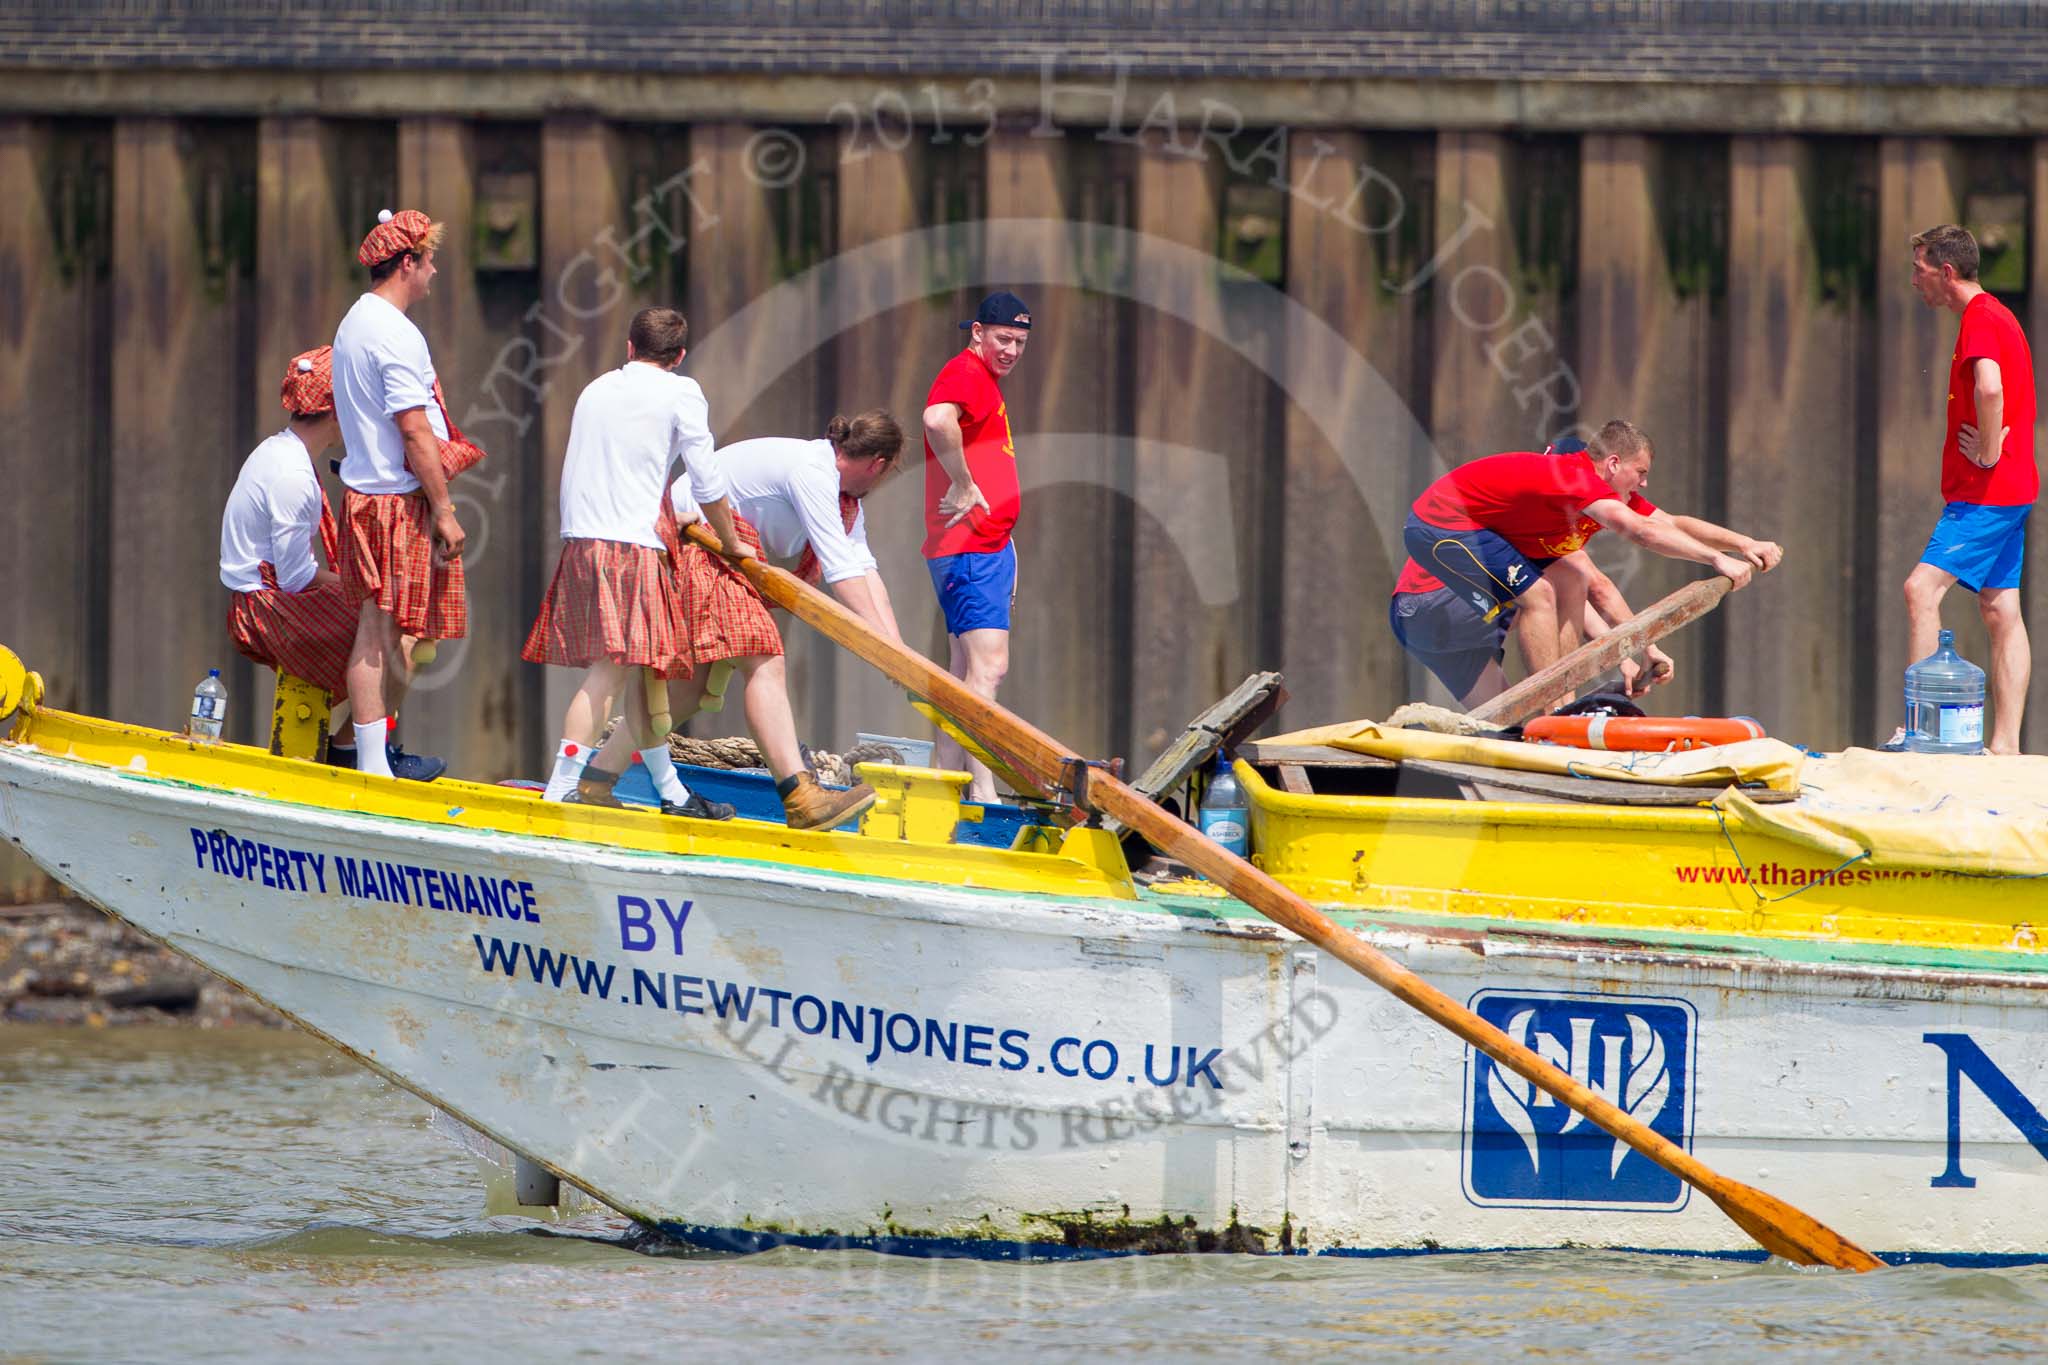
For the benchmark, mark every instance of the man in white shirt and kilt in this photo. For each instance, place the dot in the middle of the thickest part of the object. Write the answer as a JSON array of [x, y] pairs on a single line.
[[401, 551], [795, 500], [611, 609], [278, 542]]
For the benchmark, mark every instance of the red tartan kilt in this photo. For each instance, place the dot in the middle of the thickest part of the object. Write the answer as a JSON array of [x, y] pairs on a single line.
[[721, 616], [387, 556], [308, 634], [609, 600]]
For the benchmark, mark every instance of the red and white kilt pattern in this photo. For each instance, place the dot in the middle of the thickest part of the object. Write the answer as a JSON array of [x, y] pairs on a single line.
[[721, 615], [308, 634], [387, 556], [609, 600]]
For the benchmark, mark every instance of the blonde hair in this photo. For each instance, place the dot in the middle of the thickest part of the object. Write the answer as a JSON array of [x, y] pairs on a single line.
[[1619, 437]]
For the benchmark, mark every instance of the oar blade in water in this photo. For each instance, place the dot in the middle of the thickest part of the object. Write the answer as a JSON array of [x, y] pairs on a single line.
[[1784, 1231]]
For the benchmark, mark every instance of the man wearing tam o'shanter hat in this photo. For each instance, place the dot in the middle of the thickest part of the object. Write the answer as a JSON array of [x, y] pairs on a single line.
[[401, 550], [277, 542]]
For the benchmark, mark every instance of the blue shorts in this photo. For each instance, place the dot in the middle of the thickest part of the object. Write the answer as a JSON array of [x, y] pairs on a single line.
[[1488, 572], [1982, 546], [1450, 635], [976, 590]]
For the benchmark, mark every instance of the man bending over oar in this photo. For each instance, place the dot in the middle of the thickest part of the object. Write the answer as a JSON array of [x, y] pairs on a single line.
[[794, 499], [612, 609], [1499, 542]]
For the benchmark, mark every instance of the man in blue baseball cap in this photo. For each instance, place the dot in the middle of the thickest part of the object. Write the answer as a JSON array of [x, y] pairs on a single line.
[[970, 506]]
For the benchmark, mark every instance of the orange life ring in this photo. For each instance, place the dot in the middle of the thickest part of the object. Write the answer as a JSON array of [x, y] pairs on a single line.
[[1642, 734]]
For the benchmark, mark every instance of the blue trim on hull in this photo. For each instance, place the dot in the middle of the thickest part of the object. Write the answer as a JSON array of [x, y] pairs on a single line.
[[746, 1242]]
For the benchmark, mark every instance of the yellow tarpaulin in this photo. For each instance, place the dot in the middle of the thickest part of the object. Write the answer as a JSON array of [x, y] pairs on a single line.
[[1961, 814], [1757, 762]]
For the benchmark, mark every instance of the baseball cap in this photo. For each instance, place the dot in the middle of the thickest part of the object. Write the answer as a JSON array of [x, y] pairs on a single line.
[[1001, 309]]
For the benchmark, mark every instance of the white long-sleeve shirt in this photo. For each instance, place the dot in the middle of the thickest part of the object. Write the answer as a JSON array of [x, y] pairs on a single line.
[[789, 489], [272, 517], [630, 426]]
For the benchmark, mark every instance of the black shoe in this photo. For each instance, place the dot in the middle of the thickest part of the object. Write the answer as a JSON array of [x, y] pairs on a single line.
[[698, 808], [414, 767], [411, 767]]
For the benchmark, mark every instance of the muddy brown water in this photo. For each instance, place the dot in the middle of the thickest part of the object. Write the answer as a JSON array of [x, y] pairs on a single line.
[[239, 1195]]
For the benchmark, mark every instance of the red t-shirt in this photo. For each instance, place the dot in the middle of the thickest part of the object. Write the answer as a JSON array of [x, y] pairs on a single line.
[[991, 461], [1535, 501], [1990, 330]]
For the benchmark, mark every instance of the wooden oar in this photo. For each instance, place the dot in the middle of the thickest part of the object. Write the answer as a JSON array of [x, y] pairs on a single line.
[[1533, 693], [1776, 1225]]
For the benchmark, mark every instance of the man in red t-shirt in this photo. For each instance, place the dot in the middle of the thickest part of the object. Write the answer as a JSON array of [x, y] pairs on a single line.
[[1988, 478], [1500, 541], [970, 505]]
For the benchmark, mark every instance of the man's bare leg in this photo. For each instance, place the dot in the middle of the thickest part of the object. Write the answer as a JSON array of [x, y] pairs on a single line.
[[376, 643], [1547, 620], [589, 708], [1493, 680], [769, 718], [980, 659], [1925, 587], [1537, 613], [2012, 666]]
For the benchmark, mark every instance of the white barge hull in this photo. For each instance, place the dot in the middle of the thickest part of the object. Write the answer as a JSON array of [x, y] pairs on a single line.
[[743, 1054]]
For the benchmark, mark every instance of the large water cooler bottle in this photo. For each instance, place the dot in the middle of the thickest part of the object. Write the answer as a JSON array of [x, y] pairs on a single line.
[[1945, 702]]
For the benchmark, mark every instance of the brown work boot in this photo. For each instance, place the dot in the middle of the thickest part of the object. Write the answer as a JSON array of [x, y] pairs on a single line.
[[594, 788], [806, 805]]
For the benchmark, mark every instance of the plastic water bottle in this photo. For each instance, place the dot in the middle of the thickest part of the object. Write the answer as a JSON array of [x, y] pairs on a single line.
[[1224, 816], [209, 707], [1945, 703]]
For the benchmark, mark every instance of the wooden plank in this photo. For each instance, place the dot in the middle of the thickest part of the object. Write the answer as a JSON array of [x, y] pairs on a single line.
[[1198, 547], [1294, 779], [587, 306], [1068, 666], [763, 375], [2034, 734], [1500, 330], [1347, 498], [181, 341], [1222, 725], [479, 705], [1919, 185], [53, 400], [305, 271], [1264, 751], [886, 360], [1506, 784], [1795, 369], [1590, 660], [1647, 353]]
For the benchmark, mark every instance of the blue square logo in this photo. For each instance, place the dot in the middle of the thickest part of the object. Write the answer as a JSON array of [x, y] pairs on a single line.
[[1524, 1149]]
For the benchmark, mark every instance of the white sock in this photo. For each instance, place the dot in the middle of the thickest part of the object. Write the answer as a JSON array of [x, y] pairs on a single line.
[[662, 769], [370, 755], [570, 758]]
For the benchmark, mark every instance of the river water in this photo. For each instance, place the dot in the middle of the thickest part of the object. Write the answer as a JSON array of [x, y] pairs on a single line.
[[226, 1196]]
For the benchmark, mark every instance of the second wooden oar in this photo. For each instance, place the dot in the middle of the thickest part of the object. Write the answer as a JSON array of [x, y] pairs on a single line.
[[1534, 693], [1777, 1226]]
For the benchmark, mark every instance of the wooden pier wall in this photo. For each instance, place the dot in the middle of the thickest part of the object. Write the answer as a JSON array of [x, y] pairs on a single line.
[[1252, 350]]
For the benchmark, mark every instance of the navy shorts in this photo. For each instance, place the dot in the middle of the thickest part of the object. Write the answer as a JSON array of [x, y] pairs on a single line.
[[1489, 572], [1982, 546], [1451, 637], [976, 590]]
